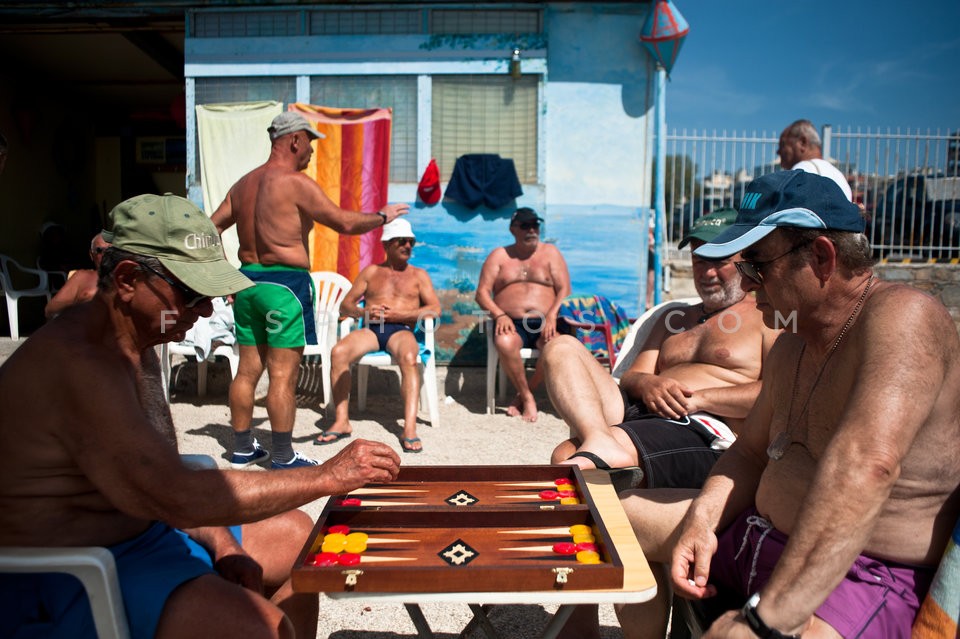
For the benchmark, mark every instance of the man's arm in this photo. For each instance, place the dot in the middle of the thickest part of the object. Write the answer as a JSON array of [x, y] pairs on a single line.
[[350, 305], [78, 288], [900, 371], [728, 491], [561, 289], [429, 302], [662, 395], [312, 201], [230, 560], [223, 218], [488, 276], [502, 323], [103, 434]]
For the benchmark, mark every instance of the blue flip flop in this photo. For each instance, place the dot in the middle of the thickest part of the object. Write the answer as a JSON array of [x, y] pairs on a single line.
[[327, 433], [410, 440]]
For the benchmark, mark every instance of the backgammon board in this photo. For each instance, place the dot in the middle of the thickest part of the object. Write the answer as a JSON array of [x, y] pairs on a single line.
[[472, 529]]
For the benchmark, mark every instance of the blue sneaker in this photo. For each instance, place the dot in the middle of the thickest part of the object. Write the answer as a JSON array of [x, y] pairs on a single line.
[[242, 460], [298, 461]]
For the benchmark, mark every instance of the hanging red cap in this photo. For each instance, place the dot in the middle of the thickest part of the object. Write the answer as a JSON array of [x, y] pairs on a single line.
[[429, 187]]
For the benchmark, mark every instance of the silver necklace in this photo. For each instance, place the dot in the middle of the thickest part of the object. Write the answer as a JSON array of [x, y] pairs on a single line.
[[784, 438]]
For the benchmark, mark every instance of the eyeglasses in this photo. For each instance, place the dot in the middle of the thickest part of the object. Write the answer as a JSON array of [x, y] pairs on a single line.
[[528, 226], [190, 297], [405, 240], [753, 270]]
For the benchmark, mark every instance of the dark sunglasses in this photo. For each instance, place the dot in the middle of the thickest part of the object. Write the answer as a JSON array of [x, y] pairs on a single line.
[[190, 297], [753, 270], [527, 226], [405, 240]]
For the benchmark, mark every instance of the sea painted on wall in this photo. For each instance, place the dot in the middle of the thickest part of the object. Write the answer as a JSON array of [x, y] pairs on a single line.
[[604, 246]]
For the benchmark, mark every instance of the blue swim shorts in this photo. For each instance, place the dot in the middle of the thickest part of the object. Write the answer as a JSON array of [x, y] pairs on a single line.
[[385, 331], [150, 567]]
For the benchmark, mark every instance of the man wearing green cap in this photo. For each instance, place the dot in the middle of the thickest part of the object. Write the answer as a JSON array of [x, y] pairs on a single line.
[[96, 460], [829, 514], [679, 405]]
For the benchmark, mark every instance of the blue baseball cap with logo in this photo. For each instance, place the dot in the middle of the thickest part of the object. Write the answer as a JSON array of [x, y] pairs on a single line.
[[786, 198]]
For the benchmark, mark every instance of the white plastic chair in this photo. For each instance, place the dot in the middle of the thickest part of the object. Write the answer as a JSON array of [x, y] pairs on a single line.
[[640, 330], [206, 330], [331, 288], [380, 359], [169, 349], [14, 294], [496, 376], [94, 566]]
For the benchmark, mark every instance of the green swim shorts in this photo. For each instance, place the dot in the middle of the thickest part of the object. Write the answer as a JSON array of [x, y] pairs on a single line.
[[278, 310]]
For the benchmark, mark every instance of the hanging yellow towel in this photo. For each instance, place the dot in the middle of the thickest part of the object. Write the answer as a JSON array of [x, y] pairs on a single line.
[[233, 141]]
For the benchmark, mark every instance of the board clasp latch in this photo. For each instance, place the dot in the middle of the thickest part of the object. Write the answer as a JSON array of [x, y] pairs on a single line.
[[562, 574], [352, 575]]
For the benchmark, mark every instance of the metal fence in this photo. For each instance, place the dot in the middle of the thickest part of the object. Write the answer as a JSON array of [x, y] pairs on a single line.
[[907, 181]]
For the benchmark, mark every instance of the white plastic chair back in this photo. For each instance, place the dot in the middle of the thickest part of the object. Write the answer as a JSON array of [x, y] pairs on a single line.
[[13, 294], [331, 288], [640, 330]]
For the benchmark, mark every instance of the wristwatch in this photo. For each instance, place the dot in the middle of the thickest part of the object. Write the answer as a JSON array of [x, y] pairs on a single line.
[[383, 216], [757, 625]]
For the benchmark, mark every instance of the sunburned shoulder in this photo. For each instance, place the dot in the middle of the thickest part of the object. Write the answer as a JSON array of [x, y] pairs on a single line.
[[905, 305], [550, 250], [496, 257]]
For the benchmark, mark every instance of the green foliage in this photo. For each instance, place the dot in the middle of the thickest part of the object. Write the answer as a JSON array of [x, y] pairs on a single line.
[[680, 183]]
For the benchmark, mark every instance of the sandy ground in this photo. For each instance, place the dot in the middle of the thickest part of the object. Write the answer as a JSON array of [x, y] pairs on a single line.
[[465, 435]]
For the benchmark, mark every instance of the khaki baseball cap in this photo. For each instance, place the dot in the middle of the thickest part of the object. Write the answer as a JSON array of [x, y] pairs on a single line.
[[291, 122], [180, 235]]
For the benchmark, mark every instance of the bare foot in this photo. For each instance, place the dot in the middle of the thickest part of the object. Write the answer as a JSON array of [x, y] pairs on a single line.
[[515, 407], [530, 413], [606, 448]]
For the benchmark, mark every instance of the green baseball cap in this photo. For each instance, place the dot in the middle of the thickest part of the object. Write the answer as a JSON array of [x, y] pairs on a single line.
[[710, 226], [180, 235]]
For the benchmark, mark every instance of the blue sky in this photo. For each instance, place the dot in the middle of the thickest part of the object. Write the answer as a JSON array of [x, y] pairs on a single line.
[[754, 65]]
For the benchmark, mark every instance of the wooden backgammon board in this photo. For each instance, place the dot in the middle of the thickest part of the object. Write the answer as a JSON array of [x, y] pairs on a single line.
[[473, 529]]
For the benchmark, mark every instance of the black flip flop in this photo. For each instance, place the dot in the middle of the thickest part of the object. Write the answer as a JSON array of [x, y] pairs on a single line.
[[621, 478]]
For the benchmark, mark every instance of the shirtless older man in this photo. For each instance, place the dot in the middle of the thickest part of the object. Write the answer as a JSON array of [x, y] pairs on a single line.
[[274, 207], [397, 296], [81, 286], [679, 405], [830, 512], [522, 286], [96, 459]]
